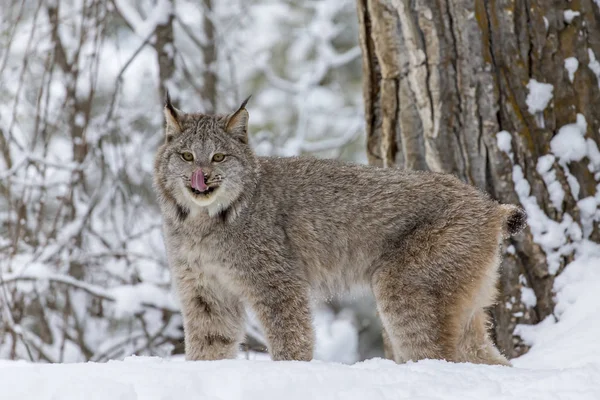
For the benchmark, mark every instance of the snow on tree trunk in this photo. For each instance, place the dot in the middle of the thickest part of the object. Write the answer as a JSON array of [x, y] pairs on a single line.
[[505, 95]]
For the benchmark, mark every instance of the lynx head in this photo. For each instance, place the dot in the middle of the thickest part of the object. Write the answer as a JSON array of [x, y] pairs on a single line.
[[205, 160]]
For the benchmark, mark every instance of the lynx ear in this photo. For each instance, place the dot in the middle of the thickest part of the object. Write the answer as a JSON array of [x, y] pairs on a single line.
[[172, 118], [237, 123]]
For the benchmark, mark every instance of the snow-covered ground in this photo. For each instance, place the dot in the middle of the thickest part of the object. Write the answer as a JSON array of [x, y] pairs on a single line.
[[564, 363], [153, 378]]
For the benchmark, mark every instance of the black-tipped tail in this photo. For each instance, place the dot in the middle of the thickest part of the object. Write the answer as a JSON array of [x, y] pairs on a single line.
[[516, 219]]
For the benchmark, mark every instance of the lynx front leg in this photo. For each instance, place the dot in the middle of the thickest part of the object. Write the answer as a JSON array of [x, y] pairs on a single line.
[[213, 319], [284, 312]]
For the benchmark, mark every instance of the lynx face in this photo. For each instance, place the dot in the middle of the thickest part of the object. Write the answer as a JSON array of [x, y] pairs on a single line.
[[205, 159]]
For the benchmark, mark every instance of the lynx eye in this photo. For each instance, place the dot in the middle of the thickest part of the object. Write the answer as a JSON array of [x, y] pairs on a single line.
[[218, 157], [187, 156]]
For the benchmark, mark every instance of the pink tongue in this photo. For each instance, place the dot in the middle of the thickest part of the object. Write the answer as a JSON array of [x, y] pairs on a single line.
[[198, 180]]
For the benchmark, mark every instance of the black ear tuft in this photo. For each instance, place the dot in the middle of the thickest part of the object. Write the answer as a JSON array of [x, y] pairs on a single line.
[[245, 102], [172, 117], [168, 104], [237, 123]]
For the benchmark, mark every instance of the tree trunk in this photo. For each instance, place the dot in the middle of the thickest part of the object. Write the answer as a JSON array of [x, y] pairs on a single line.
[[443, 78], [165, 51], [209, 53]]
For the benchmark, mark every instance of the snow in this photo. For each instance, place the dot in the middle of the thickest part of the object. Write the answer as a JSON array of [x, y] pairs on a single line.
[[594, 65], [528, 297], [570, 15], [539, 96], [337, 337], [544, 163], [571, 65], [551, 235], [587, 206], [572, 341], [546, 232], [569, 143], [152, 378], [589, 211], [555, 190], [593, 154], [503, 140]]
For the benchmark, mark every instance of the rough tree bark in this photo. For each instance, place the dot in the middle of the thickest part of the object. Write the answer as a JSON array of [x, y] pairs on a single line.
[[442, 78]]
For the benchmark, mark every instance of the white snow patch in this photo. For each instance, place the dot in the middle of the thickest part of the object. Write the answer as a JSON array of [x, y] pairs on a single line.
[[569, 143], [572, 341], [546, 232], [588, 207], [570, 15], [528, 297], [572, 181], [571, 65], [549, 234], [555, 190], [547, 24], [593, 154], [504, 140], [594, 65], [337, 337], [544, 163], [539, 96], [154, 378]]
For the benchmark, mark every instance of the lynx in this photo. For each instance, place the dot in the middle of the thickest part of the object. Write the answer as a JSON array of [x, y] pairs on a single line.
[[274, 233]]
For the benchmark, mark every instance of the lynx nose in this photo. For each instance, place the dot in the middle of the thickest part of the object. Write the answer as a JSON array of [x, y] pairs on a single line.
[[199, 180]]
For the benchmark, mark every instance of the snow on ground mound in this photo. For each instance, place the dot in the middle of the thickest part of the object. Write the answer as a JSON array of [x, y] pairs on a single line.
[[153, 378], [573, 340]]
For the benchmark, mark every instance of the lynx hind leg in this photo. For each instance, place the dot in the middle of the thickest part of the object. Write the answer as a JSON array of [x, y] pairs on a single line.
[[431, 309], [475, 344], [410, 317]]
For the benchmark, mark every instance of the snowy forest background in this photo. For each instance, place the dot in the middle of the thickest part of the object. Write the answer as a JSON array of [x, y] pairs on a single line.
[[83, 274]]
